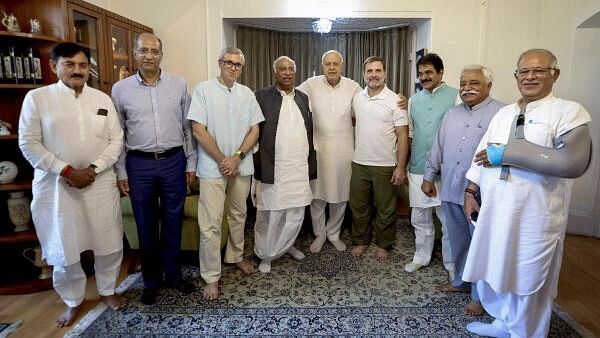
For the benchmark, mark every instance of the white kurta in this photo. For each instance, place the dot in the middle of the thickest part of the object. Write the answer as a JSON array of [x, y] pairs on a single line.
[[333, 135], [55, 129], [522, 220], [291, 188]]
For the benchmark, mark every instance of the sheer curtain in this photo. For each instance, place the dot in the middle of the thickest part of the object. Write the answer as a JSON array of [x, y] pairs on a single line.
[[261, 47]]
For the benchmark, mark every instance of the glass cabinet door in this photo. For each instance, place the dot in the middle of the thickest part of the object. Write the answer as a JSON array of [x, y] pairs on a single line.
[[121, 53], [87, 31]]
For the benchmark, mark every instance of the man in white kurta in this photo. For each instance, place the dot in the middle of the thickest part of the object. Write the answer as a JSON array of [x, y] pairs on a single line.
[[70, 134], [516, 250], [282, 166], [330, 97]]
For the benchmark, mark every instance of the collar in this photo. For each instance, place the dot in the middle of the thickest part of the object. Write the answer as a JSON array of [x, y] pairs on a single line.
[[380, 96], [224, 87], [535, 104], [329, 85], [436, 89], [141, 81], [284, 94], [63, 87], [479, 105]]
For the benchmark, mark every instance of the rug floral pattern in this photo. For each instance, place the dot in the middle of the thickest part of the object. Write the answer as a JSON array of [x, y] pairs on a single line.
[[326, 294]]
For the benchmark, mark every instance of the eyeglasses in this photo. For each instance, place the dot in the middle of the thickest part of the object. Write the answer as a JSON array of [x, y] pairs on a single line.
[[149, 52], [231, 64], [522, 73]]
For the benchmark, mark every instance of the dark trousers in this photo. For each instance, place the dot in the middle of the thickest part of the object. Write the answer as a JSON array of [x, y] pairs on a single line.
[[370, 184], [157, 189]]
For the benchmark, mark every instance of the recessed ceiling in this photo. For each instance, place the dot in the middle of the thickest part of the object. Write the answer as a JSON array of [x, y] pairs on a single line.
[[339, 25]]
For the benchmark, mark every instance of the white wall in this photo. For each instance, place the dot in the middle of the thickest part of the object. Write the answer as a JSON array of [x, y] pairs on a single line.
[[491, 32]]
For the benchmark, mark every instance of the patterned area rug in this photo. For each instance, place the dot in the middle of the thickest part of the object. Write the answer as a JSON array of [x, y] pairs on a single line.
[[326, 294]]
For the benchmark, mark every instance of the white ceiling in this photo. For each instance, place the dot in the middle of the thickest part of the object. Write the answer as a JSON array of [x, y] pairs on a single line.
[[305, 24]]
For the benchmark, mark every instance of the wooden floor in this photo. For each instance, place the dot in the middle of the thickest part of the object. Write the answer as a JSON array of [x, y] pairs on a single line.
[[577, 295]]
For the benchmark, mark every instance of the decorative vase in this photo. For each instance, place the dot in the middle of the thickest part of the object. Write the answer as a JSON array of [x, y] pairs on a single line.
[[18, 210], [39, 262], [8, 172]]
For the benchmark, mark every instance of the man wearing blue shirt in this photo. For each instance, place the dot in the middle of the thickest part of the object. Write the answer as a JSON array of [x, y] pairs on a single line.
[[225, 117], [450, 157], [159, 158]]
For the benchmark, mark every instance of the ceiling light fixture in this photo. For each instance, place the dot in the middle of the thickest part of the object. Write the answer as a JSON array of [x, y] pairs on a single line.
[[322, 25]]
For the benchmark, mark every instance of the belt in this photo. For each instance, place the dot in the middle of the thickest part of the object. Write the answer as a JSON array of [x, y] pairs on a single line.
[[157, 155]]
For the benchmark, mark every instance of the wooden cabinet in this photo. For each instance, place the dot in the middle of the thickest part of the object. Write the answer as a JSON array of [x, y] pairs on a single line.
[[109, 38]]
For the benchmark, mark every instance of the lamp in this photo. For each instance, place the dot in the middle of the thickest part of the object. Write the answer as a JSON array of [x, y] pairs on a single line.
[[322, 25]]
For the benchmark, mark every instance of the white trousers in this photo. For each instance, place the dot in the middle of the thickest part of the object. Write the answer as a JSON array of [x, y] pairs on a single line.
[[523, 316], [69, 281], [217, 195], [275, 231], [422, 220], [334, 223]]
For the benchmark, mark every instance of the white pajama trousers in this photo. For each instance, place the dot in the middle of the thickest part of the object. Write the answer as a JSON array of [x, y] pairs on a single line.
[[334, 223], [217, 196], [422, 220], [523, 316], [275, 231], [69, 281]]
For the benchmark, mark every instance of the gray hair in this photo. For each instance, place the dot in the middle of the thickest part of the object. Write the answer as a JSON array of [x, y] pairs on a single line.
[[283, 57], [539, 50], [486, 71], [332, 51], [136, 40], [231, 50]]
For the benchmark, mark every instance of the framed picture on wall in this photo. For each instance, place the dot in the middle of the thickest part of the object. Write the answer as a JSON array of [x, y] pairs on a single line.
[[418, 55]]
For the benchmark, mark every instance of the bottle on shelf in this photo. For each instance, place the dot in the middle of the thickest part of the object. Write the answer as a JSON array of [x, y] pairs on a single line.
[[1, 66], [8, 63], [28, 72], [17, 64], [37, 66]]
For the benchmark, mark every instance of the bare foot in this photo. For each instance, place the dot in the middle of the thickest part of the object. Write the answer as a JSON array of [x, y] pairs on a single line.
[[68, 316], [211, 291], [448, 287], [382, 255], [339, 245], [114, 302], [358, 250], [474, 309], [246, 266]]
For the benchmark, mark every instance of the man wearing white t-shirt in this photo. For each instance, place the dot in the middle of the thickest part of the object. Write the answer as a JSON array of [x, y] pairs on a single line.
[[379, 162]]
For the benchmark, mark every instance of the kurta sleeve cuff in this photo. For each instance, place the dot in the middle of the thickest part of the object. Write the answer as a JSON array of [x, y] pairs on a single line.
[[58, 166], [429, 175]]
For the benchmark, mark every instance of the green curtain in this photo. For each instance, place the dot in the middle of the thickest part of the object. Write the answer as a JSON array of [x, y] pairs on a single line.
[[261, 47]]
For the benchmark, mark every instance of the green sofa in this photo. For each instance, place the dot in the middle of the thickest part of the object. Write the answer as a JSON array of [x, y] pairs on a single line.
[[190, 236]]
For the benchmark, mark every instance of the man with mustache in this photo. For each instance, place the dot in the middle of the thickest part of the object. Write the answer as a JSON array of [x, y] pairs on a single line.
[[283, 165], [379, 163], [330, 97], [225, 117], [426, 111], [158, 162], [450, 157], [516, 250], [70, 134]]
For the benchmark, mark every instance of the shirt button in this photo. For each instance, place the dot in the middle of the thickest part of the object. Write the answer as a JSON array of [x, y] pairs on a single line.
[[464, 137]]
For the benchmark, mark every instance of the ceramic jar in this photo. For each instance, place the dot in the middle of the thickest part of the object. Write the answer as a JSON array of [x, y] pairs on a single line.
[[18, 210]]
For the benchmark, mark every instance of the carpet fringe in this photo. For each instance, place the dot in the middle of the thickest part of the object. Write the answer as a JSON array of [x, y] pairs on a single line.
[[564, 315], [93, 314], [11, 328]]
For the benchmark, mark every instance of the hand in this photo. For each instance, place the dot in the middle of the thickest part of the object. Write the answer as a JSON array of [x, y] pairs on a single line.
[[481, 158], [123, 187], [428, 188], [470, 206], [399, 176], [229, 165], [190, 177], [81, 178], [402, 102]]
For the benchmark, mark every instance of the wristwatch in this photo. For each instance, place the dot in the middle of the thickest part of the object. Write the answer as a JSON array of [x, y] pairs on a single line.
[[241, 154]]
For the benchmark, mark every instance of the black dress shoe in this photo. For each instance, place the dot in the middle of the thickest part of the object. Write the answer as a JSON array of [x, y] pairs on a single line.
[[185, 287], [149, 296]]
